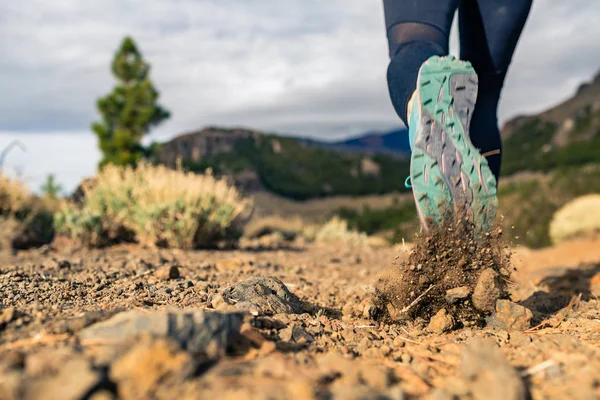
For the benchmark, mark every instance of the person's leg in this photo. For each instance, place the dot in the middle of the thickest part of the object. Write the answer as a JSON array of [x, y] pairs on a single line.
[[416, 30], [447, 173], [489, 32]]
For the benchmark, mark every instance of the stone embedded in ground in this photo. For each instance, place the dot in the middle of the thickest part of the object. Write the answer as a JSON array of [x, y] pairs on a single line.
[[150, 362], [263, 295], [208, 333], [510, 316], [487, 373], [487, 290], [441, 322], [167, 272], [457, 294]]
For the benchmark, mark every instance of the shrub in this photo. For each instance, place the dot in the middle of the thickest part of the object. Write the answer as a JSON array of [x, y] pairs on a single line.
[[336, 230], [577, 218], [155, 206], [26, 221]]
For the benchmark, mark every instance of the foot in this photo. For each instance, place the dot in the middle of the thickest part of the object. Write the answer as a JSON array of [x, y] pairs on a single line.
[[447, 172]]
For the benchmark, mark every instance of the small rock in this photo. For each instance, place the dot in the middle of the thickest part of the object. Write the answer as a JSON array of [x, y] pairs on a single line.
[[487, 373], [252, 334], [295, 334], [167, 272], [6, 316], [487, 290], [203, 332], [456, 294], [369, 310], [510, 316], [441, 322], [265, 295]]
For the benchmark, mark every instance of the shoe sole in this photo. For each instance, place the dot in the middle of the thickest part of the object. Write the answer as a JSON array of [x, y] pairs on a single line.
[[448, 173]]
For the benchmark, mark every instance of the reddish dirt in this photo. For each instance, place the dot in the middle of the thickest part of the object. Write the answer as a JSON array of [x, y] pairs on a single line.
[[333, 349]]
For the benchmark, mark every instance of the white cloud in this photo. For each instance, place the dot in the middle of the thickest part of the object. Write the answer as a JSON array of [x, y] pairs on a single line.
[[298, 66]]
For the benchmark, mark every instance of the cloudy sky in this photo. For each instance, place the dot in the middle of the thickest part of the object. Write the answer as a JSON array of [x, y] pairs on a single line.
[[304, 67]]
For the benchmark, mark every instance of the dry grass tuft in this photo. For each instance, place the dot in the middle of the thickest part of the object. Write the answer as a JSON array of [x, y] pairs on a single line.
[[155, 206], [25, 220], [336, 230]]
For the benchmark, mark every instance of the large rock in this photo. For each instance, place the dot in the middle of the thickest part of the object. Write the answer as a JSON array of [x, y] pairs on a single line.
[[487, 290], [263, 295], [487, 373], [196, 331]]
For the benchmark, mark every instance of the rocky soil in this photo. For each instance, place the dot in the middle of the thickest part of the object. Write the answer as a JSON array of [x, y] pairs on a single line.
[[296, 322]]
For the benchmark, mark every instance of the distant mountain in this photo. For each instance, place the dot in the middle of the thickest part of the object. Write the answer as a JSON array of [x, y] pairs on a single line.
[[567, 134], [292, 167], [393, 143]]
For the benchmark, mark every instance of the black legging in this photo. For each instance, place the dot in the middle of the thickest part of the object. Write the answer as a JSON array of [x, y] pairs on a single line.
[[488, 32]]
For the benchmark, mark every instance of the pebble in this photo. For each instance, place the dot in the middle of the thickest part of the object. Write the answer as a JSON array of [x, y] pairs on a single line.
[[510, 316], [441, 322], [487, 290], [456, 294], [167, 272]]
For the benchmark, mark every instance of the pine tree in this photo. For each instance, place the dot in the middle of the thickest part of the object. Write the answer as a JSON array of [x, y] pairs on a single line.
[[51, 188], [129, 111]]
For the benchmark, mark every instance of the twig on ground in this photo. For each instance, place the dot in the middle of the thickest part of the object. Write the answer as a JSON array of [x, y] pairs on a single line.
[[415, 301]]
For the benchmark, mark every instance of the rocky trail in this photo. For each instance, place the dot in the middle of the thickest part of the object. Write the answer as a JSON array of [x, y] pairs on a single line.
[[297, 322]]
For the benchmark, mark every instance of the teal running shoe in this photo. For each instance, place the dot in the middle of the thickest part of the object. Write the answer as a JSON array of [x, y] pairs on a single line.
[[448, 174]]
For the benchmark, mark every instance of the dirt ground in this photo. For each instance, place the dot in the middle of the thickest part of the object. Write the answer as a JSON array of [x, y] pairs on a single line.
[[319, 338]]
